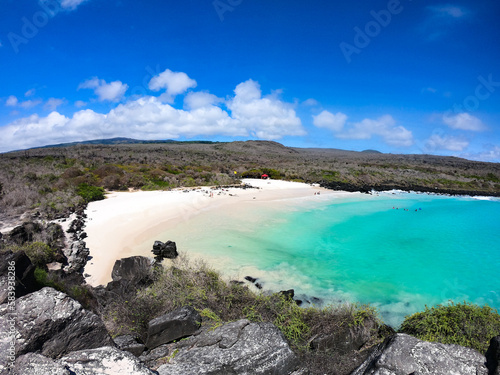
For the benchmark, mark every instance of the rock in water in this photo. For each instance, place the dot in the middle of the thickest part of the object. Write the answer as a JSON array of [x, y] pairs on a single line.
[[235, 348], [402, 354], [50, 322], [172, 326]]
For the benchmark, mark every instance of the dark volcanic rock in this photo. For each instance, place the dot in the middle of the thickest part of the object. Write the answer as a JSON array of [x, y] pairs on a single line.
[[77, 257], [172, 326], [24, 233], [165, 250], [346, 339], [137, 269], [402, 354], [288, 294], [251, 279], [53, 324], [130, 344], [20, 265], [235, 348], [493, 356]]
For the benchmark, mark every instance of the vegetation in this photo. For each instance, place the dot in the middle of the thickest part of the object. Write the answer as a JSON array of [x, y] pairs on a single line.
[[58, 180], [52, 182], [194, 284], [90, 193], [462, 324]]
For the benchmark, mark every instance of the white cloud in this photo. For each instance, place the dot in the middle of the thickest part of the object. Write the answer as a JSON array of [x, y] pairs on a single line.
[[310, 102], [174, 83], [71, 4], [263, 117], [384, 127], [330, 121], [250, 115], [53, 103], [30, 92], [490, 154], [11, 101], [194, 100], [80, 104], [464, 121], [437, 142], [29, 103], [112, 92]]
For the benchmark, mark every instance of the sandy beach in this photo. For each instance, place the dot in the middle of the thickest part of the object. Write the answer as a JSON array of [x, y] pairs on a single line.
[[120, 224]]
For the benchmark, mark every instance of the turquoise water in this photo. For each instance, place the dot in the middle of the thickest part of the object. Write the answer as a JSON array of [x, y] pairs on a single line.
[[397, 252]]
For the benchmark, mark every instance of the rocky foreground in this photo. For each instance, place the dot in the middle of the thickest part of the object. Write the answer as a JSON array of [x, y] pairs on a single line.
[[53, 334], [45, 331]]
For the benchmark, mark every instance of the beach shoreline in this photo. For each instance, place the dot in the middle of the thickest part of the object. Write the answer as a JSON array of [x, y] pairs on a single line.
[[120, 224]]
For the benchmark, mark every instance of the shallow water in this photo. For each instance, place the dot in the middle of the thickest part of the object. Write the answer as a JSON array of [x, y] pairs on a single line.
[[398, 252]]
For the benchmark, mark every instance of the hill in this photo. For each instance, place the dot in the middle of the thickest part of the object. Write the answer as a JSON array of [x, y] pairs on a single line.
[[50, 179]]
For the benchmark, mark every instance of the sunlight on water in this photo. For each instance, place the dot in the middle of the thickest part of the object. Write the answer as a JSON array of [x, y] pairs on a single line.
[[398, 252]]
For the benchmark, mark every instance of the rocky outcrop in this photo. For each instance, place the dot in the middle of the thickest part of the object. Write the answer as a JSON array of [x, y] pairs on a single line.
[[135, 269], [235, 348], [18, 268], [172, 326], [105, 360], [53, 324], [165, 250], [493, 356], [77, 255], [402, 354], [25, 232], [129, 344], [346, 339]]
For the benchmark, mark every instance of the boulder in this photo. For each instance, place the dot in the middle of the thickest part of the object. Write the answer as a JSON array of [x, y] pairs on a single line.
[[235, 348], [165, 250], [77, 255], [172, 326], [50, 322], [136, 269], [402, 354], [493, 356], [106, 360], [24, 272], [24, 232], [346, 339], [37, 364], [129, 344]]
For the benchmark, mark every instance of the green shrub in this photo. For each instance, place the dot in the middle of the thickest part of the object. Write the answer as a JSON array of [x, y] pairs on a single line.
[[90, 193], [463, 324], [39, 253]]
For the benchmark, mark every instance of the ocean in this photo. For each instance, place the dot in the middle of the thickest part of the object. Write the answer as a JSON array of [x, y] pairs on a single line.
[[396, 251]]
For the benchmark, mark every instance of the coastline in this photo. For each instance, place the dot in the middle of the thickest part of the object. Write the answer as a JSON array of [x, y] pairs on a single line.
[[120, 224]]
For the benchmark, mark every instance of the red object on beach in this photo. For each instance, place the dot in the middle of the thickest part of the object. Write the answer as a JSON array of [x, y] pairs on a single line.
[[264, 176]]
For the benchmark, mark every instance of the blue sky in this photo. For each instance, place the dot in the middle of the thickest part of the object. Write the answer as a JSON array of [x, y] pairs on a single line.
[[399, 76]]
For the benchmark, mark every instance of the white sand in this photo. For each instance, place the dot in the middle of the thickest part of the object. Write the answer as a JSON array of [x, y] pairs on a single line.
[[117, 225]]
